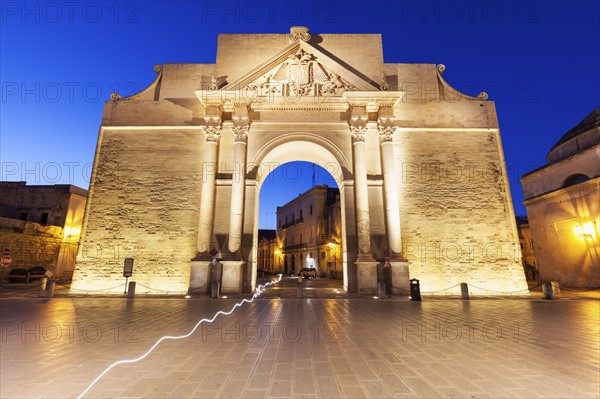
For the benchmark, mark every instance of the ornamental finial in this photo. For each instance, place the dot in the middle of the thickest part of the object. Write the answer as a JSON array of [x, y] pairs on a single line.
[[299, 33]]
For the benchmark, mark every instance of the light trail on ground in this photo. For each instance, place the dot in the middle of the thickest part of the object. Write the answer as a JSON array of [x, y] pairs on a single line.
[[259, 289]]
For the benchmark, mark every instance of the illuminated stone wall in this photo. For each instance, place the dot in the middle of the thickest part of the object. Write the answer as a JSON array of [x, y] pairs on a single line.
[[564, 230], [456, 219], [144, 205], [30, 244], [41, 224]]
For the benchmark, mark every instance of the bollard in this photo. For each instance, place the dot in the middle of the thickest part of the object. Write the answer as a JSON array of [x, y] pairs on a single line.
[[555, 289], [464, 290], [547, 290], [415, 290], [131, 289], [43, 282], [299, 288], [215, 290], [50, 289], [382, 293]]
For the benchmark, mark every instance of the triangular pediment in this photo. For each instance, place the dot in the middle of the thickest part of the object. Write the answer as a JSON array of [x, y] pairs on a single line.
[[301, 70]]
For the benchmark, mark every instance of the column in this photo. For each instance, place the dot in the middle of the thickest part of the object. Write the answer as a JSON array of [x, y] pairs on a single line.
[[209, 173], [390, 190], [361, 193], [399, 267], [238, 186]]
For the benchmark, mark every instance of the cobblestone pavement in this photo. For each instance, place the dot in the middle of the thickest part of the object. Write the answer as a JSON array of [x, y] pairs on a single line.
[[305, 348]]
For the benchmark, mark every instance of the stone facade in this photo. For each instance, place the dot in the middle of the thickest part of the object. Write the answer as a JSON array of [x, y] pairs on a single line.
[[309, 230], [41, 225], [563, 207], [419, 166]]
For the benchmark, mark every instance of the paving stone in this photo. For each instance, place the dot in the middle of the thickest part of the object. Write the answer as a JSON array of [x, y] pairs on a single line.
[[555, 362]]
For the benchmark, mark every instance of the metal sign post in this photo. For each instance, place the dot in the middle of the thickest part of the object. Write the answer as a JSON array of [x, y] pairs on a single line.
[[127, 271]]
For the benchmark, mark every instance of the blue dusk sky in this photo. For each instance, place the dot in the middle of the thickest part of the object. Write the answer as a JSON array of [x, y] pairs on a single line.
[[59, 61]]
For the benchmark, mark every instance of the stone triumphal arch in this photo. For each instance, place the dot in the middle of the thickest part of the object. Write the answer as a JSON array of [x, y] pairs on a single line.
[[179, 166]]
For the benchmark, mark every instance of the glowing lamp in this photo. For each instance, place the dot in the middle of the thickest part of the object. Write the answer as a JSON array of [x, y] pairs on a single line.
[[588, 229]]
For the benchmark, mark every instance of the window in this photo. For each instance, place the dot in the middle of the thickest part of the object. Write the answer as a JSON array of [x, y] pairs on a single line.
[[575, 179], [310, 211], [44, 219], [23, 216], [300, 214]]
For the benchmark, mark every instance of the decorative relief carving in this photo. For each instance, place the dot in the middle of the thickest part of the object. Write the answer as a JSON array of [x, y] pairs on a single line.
[[240, 132], [441, 68], [300, 75], [358, 133], [213, 82], [213, 132], [482, 96], [372, 105], [383, 84], [386, 132], [228, 105], [299, 33], [157, 68]]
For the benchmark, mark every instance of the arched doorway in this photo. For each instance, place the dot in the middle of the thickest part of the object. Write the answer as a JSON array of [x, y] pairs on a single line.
[[300, 212], [311, 148]]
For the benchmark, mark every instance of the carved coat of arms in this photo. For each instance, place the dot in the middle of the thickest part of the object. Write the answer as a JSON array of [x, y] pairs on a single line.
[[301, 75]]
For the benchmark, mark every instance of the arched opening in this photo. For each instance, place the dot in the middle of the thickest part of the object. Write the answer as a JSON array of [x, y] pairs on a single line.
[[301, 198], [575, 179], [300, 216]]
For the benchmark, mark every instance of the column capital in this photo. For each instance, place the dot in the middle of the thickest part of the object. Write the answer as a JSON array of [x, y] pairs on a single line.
[[386, 133], [240, 130], [358, 133], [213, 133]]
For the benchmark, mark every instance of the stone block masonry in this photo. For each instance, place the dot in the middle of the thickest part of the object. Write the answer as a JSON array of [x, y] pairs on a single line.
[[144, 205]]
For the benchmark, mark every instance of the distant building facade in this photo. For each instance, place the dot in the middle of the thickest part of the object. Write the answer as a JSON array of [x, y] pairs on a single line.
[[527, 249], [309, 232], [268, 248], [41, 225], [562, 200]]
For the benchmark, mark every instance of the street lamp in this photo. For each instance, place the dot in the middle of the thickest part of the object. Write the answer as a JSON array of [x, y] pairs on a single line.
[[278, 253]]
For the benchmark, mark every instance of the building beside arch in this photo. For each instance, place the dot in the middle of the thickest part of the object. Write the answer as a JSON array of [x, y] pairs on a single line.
[[420, 168], [309, 232], [562, 200]]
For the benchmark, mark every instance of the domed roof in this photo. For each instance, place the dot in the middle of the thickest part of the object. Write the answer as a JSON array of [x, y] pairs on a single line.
[[583, 136]]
